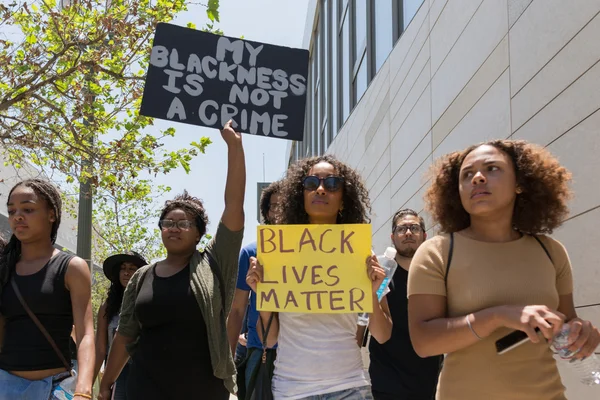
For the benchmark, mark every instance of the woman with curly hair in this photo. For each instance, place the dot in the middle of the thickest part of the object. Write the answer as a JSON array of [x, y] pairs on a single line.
[[317, 354], [494, 271], [118, 268], [174, 312]]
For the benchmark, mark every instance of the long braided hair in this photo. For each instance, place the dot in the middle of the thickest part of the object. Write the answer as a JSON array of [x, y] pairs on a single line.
[[12, 250]]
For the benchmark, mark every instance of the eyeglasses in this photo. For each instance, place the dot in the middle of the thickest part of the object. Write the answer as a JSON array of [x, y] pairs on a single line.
[[414, 228], [331, 183], [184, 224]]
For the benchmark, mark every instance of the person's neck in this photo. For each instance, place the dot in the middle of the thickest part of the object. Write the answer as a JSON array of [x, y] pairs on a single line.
[[178, 260], [37, 250], [403, 262], [496, 230], [322, 220]]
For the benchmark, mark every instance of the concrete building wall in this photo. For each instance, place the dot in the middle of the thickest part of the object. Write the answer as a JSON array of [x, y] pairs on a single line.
[[466, 71]]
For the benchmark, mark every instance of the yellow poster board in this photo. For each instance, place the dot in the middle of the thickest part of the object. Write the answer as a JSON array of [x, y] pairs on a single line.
[[314, 268]]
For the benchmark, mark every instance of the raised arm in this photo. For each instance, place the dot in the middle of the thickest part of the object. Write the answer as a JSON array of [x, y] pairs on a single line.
[[79, 283], [235, 186]]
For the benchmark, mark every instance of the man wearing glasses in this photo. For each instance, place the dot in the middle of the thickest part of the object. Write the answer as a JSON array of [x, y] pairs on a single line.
[[397, 372]]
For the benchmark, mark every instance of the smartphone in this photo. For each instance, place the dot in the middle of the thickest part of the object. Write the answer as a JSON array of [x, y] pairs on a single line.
[[511, 341]]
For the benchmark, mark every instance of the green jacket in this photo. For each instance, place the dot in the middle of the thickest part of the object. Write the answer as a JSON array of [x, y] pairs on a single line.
[[225, 249]]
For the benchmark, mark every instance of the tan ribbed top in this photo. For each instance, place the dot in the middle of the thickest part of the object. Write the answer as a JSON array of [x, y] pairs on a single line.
[[484, 275]]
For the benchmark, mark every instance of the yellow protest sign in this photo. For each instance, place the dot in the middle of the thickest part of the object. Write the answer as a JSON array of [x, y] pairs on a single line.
[[314, 268]]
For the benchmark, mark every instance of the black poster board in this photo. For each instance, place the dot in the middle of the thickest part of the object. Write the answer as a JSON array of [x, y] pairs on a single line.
[[204, 79]]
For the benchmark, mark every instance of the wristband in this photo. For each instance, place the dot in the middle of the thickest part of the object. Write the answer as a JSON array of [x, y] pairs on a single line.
[[471, 328]]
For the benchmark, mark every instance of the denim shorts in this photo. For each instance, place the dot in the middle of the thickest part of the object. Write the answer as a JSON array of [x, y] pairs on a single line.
[[358, 393], [13, 387]]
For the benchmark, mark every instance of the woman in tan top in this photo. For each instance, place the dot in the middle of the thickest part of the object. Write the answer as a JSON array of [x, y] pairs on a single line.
[[493, 198]]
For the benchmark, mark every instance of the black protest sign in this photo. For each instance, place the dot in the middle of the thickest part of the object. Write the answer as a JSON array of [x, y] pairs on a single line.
[[204, 79]]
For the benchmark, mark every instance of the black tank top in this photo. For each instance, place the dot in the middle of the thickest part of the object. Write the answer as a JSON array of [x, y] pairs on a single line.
[[25, 348]]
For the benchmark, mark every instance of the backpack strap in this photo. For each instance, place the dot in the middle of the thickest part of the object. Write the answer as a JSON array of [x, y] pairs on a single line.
[[450, 252], [543, 247]]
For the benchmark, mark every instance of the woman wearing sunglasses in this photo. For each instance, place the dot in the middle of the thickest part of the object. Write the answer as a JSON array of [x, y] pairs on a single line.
[[318, 354], [174, 312]]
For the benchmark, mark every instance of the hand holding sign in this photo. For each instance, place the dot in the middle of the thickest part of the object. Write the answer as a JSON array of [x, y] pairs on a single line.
[[230, 136], [255, 274]]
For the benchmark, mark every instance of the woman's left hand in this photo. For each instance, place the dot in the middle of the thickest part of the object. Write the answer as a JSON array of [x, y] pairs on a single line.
[[585, 337], [375, 271]]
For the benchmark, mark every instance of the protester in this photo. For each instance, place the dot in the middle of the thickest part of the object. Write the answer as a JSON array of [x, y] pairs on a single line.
[[269, 201], [318, 354], [173, 317], [118, 268], [494, 271], [55, 286], [396, 371]]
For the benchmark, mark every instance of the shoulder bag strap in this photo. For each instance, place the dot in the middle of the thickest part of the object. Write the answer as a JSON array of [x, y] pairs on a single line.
[[217, 272], [265, 334], [449, 258], [39, 325]]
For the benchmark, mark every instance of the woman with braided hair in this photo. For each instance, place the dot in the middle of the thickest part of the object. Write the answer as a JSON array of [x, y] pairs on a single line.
[[174, 312], [55, 286]]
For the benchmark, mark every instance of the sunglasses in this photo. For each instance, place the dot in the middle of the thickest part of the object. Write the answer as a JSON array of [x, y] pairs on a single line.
[[183, 224], [331, 183]]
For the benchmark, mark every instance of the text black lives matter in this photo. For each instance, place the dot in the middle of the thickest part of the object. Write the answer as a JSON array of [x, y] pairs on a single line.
[[203, 79]]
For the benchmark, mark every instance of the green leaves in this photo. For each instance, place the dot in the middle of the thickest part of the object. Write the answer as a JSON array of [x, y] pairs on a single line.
[[212, 10], [70, 91]]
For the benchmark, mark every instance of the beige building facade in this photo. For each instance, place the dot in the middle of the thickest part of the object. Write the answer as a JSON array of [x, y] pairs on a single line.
[[459, 72]]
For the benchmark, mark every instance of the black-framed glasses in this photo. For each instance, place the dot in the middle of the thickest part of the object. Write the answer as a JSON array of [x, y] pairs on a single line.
[[331, 183], [184, 224], [414, 228]]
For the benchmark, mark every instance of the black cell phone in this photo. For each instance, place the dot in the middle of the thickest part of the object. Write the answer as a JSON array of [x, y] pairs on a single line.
[[511, 341]]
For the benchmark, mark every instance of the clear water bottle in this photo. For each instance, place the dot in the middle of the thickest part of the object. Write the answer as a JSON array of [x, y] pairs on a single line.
[[388, 263], [588, 369]]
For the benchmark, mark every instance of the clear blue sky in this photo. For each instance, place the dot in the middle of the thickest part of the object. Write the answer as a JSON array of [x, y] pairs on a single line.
[[279, 22]]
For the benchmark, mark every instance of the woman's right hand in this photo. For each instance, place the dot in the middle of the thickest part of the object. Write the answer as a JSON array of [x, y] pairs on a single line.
[[527, 318], [255, 273]]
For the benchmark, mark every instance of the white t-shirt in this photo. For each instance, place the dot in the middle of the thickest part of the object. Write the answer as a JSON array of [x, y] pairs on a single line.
[[317, 354]]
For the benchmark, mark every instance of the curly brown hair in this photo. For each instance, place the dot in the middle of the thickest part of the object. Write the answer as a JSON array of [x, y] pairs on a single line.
[[539, 209], [357, 206], [192, 206], [265, 200]]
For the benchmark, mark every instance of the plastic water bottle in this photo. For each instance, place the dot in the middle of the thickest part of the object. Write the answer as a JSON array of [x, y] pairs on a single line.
[[588, 369], [388, 263]]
